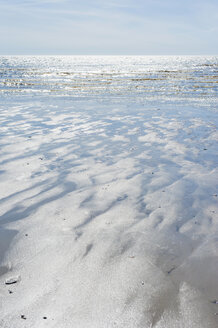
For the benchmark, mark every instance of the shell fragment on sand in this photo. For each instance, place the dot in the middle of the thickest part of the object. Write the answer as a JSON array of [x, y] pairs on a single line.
[[12, 280]]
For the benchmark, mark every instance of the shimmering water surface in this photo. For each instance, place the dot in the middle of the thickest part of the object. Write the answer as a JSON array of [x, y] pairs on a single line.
[[149, 77]]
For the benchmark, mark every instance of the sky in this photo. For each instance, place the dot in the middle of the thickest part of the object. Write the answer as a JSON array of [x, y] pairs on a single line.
[[109, 27]]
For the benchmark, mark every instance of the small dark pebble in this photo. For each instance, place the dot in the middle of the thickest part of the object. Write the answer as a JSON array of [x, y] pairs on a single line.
[[143, 283], [23, 316], [44, 317], [163, 190], [152, 172], [10, 291], [214, 302], [171, 270], [41, 158], [26, 234], [205, 148], [27, 163], [30, 137]]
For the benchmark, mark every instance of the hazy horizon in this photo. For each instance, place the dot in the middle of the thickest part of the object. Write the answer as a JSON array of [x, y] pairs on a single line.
[[111, 55]]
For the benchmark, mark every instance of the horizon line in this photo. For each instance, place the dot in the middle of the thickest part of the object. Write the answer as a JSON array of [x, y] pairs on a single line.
[[126, 55]]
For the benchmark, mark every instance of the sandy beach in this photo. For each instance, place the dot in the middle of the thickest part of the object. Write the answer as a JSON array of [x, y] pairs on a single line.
[[108, 202]]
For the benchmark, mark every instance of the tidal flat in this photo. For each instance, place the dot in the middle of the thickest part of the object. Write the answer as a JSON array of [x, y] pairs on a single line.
[[108, 191]]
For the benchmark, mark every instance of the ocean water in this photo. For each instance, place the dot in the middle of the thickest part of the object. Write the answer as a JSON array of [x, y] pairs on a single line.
[[188, 78]]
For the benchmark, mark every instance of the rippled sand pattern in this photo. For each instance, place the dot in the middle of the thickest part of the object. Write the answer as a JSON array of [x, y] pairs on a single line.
[[108, 192]]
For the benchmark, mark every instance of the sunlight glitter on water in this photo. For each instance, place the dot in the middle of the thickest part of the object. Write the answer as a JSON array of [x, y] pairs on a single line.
[[118, 76]]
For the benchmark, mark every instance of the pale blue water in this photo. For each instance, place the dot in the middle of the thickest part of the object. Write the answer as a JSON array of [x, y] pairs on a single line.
[[149, 78]]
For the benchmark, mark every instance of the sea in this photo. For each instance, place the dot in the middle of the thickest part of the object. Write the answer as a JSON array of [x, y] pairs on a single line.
[[175, 79]]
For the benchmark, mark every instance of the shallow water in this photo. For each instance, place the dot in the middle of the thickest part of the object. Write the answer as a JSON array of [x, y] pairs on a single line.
[[148, 77]]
